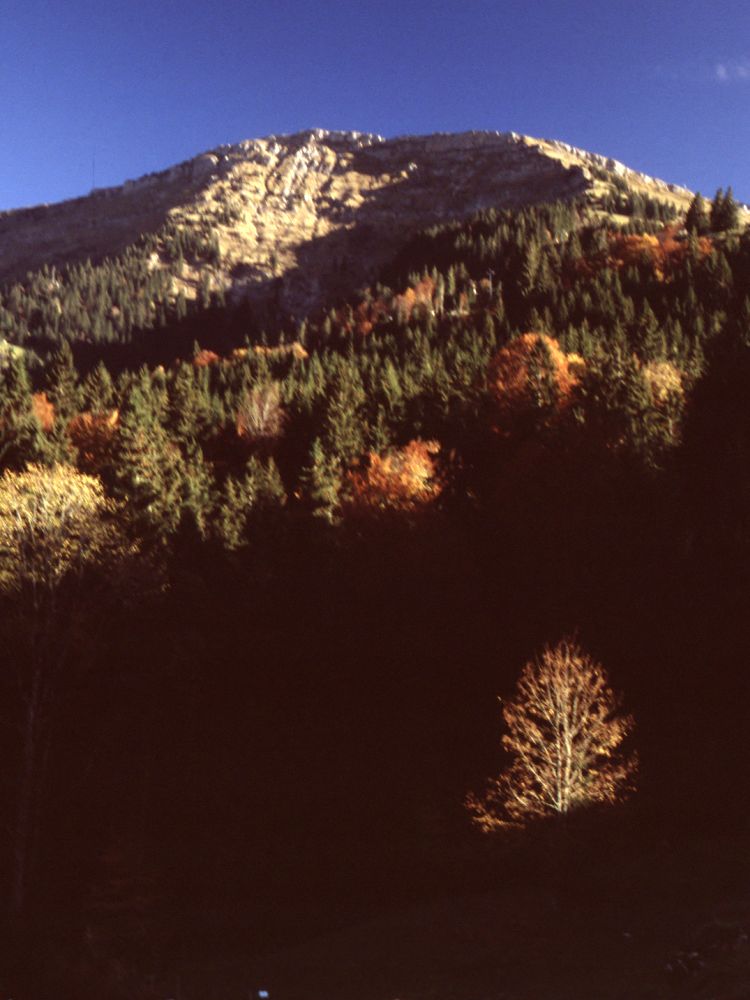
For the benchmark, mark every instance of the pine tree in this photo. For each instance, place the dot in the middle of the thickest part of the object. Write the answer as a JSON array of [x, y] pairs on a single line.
[[649, 337], [724, 211], [22, 440], [198, 496], [98, 391], [62, 384], [530, 265], [254, 498], [231, 519], [149, 469], [542, 379], [621, 411], [64, 393], [264, 485], [343, 433], [696, 220], [187, 408], [321, 483]]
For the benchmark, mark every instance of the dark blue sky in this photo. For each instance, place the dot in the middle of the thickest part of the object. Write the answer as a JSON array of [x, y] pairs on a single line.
[[663, 85]]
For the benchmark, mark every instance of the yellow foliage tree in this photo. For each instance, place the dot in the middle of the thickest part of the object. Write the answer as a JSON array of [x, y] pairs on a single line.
[[56, 525], [404, 479], [565, 735], [665, 381]]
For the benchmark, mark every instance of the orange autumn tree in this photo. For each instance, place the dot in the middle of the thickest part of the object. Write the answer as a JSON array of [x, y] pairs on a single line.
[[661, 251], [403, 479], [93, 435], [44, 411], [564, 735], [205, 359], [532, 377]]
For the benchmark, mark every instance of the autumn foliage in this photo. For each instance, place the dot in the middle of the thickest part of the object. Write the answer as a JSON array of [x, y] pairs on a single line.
[[205, 358], [53, 522], [404, 479], [665, 382], [44, 411], [663, 252], [530, 374], [564, 733], [93, 435]]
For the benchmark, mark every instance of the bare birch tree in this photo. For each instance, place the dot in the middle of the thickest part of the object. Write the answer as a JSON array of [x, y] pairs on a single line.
[[564, 734]]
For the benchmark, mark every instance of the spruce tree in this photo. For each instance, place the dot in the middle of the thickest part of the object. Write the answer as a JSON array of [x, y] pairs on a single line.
[[149, 469], [343, 432], [22, 439], [251, 500], [232, 514], [696, 220], [649, 337], [62, 384], [98, 391], [198, 497], [187, 408], [263, 486], [724, 211], [321, 483]]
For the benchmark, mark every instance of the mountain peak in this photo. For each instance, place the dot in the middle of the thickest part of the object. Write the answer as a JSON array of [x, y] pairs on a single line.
[[315, 213]]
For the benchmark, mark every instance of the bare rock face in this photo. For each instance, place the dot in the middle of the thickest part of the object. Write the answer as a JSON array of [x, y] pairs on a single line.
[[313, 215]]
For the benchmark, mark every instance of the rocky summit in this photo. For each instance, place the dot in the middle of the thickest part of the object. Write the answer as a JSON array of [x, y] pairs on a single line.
[[310, 216]]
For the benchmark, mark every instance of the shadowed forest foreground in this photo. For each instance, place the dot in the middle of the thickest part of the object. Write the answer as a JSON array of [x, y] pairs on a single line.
[[259, 605], [200, 805]]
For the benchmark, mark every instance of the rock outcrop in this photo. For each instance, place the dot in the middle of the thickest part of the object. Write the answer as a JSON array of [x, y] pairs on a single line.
[[310, 216]]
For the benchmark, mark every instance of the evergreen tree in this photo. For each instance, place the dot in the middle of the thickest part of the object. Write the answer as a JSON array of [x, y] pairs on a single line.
[[198, 495], [724, 211], [22, 440], [62, 384], [232, 515], [254, 498], [542, 380], [649, 338], [263, 486], [149, 470], [188, 408], [696, 220], [321, 483], [98, 391], [64, 394], [622, 413], [343, 433]]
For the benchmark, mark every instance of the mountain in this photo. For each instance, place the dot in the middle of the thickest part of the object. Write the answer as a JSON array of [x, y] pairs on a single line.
[[313, 215], [263, 579]]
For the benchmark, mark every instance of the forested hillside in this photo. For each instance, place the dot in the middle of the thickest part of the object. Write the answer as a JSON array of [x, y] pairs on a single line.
[[264, 578]]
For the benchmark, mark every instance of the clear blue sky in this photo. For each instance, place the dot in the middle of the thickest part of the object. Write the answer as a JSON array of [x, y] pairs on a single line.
[[663, 85]]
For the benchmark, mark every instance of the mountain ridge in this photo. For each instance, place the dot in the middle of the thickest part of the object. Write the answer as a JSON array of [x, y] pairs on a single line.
[[312, 215]]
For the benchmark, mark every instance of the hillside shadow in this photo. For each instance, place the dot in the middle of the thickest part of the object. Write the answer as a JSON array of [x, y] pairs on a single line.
[[421, 189]]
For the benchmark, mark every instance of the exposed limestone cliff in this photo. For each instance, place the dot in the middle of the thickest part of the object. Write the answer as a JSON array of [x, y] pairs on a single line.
[[311, 215]]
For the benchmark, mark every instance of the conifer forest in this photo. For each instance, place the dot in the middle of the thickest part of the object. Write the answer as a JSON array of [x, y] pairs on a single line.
[[264, 578]]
